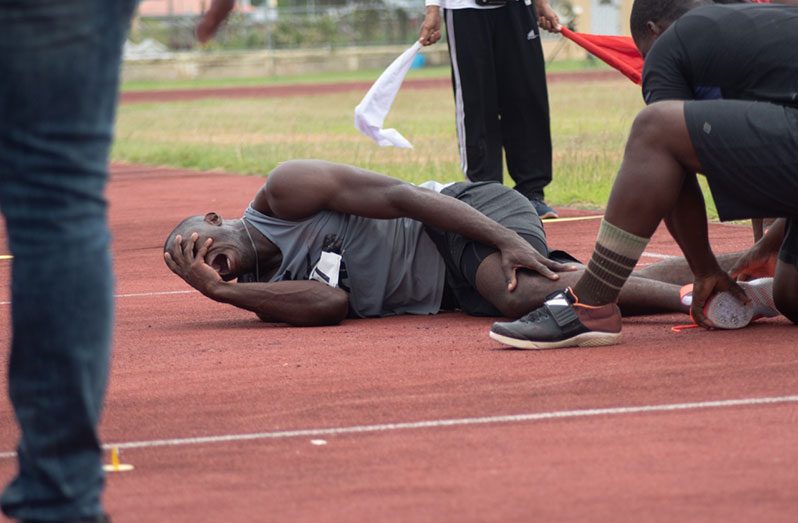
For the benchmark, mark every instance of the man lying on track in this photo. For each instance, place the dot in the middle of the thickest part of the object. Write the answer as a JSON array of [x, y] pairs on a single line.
[[321, 241], [746, 144]]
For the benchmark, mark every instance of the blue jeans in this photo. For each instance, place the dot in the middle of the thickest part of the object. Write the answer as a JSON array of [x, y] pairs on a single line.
[[59, 69]]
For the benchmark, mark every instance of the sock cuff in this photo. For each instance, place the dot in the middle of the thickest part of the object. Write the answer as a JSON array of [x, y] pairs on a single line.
[[621, 242]]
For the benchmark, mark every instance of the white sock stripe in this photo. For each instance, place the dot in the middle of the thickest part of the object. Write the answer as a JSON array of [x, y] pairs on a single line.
[[602, 280], [621, 242], [613, 262]]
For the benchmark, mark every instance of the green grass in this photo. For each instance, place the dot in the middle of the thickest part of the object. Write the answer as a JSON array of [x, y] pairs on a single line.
[[353, 76], [590, 123]]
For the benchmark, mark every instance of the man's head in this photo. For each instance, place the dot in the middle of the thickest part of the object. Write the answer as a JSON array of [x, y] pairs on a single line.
[[230, 254], [650, 18]]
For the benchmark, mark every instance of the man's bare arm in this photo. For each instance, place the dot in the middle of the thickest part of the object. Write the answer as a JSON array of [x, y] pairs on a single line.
[[213, 19], [300, 303], [299, 189], [303, 303]]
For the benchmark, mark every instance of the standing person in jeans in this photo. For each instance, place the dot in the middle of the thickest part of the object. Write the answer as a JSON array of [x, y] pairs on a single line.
[[59, 70], [499, 81]]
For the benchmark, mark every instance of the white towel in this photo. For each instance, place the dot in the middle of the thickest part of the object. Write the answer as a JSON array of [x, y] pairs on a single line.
[[371, 111]]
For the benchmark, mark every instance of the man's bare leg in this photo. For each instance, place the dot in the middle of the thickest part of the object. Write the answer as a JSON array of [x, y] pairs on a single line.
[[639, 295], [676, 270]]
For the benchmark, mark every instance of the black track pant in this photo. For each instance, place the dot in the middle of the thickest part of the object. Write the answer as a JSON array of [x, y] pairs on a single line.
[[499, 81]]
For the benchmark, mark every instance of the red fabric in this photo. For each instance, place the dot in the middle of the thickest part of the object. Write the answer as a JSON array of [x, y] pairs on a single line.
[[618, 51]]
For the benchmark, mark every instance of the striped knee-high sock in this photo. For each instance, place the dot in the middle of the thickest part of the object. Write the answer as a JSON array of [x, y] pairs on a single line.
[[614, 257]]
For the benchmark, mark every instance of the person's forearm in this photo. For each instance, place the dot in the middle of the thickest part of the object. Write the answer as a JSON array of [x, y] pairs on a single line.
[[448, 214], [299, 189], [687, 223], [775, 234], [301, 302]]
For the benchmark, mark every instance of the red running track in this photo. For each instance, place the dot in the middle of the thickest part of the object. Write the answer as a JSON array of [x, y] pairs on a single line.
[[288, 90], [185, 367]]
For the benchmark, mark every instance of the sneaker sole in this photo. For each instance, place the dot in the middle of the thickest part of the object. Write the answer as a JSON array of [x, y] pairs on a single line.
[[725, 312], [586, 339]]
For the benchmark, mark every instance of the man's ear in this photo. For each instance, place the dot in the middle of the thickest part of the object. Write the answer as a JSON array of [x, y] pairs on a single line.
[[213, 218], [653, 28]]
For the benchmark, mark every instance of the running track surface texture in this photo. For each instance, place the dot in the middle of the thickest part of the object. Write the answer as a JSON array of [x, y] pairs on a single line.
[[422, 419], [286, 90]]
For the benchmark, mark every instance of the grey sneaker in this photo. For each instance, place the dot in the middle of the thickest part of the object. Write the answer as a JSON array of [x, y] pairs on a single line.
[[543, 209], [561, 322]]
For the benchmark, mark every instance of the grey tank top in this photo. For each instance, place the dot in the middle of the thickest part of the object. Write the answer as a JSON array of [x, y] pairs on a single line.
[[389, 266]]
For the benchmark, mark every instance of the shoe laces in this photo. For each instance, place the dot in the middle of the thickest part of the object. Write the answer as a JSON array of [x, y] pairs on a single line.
[[536, 316]]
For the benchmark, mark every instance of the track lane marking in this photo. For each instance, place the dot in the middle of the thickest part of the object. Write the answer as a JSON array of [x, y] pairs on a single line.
[[442, 423], [572, 219], [138, 295], [658, 255]]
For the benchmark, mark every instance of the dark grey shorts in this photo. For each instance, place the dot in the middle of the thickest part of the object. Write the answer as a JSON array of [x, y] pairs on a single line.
[[749, 155], [463, 256]]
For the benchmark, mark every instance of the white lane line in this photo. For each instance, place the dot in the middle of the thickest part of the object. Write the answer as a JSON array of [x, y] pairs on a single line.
[[159, 293], [659, 256], [137, 295], [442, 423], [547, 221]]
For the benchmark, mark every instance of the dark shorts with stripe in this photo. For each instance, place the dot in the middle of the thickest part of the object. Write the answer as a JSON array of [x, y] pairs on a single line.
[[463, 256], [749, 155]]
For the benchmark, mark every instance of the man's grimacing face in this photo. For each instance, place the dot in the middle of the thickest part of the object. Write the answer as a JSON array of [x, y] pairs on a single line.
[[227, 255]]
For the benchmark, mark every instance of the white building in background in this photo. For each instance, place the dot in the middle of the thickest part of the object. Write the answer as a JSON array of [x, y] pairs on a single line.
[[182, 7]]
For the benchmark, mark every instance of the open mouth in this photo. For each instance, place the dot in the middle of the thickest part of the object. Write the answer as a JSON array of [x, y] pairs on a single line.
[[221, 264]]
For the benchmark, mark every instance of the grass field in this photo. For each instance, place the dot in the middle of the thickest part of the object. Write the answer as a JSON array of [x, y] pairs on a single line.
[[351, 76], [590, 123]]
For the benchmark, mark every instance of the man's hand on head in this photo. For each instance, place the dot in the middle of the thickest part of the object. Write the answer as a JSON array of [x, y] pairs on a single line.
[[192, 267], [213, 19]]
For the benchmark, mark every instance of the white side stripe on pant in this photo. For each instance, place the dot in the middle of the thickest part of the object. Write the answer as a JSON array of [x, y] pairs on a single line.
[[458, 93]]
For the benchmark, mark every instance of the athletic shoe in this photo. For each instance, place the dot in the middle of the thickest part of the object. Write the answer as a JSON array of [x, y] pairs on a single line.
[[725, 312], [543, 209], [562, 322]]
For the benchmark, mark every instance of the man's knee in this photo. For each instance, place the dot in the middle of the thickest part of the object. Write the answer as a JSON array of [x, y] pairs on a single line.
[[529, 295], [513, 304], [655, 123]]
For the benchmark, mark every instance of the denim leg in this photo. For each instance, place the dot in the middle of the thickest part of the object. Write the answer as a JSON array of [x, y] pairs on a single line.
[[59, 68]]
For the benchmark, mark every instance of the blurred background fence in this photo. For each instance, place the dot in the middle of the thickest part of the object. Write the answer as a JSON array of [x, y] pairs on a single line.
[[313, 24], [266, 38], [168, 25]]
